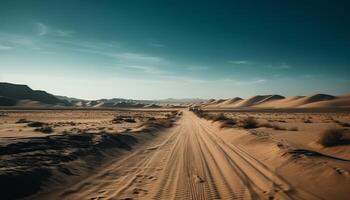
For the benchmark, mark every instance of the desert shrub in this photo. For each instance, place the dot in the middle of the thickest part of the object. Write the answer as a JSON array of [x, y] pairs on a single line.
[[36, 124], [155, 125], [278, 127], [333, 137], [174, 112], [307, 121], [151, 118], [44, 129], [293, 129], [130, 120], [117, 120], [228, 123], [343, 124], [219, 117], [266, 125], [274, 126], [72, 123], [249, 122], [22, 121]]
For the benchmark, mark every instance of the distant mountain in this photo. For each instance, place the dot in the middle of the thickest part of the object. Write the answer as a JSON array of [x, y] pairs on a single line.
[[13, 94], [181, 101], [114, 102], [121, 102], [4, 101]]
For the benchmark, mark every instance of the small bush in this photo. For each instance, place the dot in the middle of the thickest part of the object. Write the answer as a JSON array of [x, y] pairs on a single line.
[[307, 121], [274, 126], [36, 124], [22, 121], [293, 129], [333, 137], [343, 124], [249, 123], [151, 118], [44, 129], [278, 127], [228, 123], [130, 120], [219, 117], [266, 125], [114, 121]]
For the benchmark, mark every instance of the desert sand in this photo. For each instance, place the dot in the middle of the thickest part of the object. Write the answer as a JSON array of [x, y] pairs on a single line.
[[172, 155]]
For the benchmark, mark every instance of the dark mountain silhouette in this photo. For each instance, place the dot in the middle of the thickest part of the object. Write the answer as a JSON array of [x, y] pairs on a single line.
[[12, 93]]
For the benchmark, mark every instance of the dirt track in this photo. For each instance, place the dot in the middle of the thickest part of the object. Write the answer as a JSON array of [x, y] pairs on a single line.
[[188, 161]]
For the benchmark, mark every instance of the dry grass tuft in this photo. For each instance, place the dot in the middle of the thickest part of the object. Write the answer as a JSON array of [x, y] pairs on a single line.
[[334, 137], [249, 123], [22, 121], [307, 121], [228, 123], [274, 126], [44, 129], [294, 129], [36, 124], [343, 124]]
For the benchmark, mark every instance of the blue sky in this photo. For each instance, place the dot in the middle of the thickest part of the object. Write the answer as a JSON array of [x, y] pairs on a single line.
[[159, 49]]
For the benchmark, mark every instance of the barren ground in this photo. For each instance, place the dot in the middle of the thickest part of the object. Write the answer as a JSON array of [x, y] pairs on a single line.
[[197, 158]]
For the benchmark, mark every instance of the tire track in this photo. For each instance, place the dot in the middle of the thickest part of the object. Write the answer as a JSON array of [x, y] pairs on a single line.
[[190, 161]]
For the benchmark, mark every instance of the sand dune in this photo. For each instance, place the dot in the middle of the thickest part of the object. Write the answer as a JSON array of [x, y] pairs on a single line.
[[340, 101], [277, 101], [256, 100], [230, 102]]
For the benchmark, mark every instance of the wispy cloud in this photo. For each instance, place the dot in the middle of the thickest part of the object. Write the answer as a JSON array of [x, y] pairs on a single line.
[[152, 65], [240, 62], [156, 44], [147, 69], [197, 67], [224, 81], [241, 82], [280, 66], [138, 58], [4, 47], [12, 41], [251, 82], [42, 30]]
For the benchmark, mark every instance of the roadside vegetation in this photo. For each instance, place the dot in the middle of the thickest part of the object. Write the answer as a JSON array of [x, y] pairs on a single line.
[[334, 137], [247, 123]]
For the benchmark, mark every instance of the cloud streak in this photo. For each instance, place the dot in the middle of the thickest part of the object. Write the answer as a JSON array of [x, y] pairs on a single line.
[[156, 44], [43, 30], [240, 62], [4, 47], [280, 66]]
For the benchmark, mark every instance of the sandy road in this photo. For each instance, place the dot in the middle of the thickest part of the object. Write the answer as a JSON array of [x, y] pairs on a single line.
[[188, 161]]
